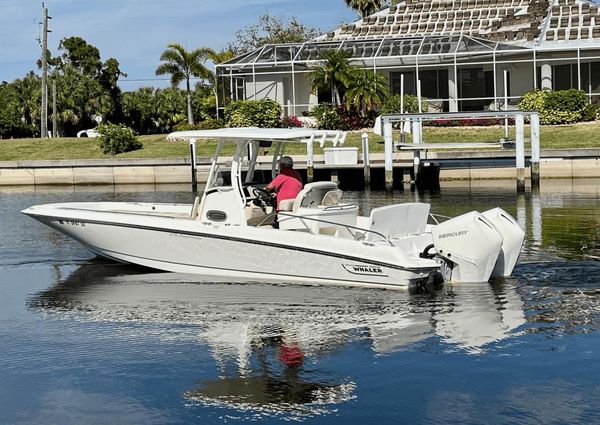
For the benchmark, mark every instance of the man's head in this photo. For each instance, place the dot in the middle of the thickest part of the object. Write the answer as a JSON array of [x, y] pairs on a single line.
[[286, 162]]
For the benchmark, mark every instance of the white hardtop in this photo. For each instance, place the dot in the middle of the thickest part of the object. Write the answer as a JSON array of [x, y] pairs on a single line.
[[244, 134]]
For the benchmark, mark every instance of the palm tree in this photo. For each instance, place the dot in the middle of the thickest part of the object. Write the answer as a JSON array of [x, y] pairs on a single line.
[[335, 72], [366, 89], [183, 65], [365, 7]]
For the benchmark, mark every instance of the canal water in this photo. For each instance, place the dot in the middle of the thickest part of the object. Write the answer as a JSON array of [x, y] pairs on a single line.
[[87, 341]]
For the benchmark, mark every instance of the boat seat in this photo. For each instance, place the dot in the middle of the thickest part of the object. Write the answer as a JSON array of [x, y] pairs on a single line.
[[396, 221], [313, 194], [286, 204]]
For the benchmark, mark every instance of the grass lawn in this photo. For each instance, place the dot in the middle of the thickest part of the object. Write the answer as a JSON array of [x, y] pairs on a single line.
[[584, 135]]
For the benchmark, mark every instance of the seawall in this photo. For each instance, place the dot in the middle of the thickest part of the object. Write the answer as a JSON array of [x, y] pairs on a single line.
[[454, 165]]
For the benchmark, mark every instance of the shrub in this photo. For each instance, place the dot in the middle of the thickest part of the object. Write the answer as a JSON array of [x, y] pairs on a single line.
[[253, 113], [207, 124], [411, 104], [558, 107], [327, 116], [211, 124], [566, 100], [590, 113], [341, 117], [290, 122], [115, 139]]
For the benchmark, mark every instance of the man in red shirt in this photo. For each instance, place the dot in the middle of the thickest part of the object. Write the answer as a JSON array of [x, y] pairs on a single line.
[[288, 183]]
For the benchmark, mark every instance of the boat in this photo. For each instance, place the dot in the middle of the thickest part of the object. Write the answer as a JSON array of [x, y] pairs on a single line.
[[228, 232]]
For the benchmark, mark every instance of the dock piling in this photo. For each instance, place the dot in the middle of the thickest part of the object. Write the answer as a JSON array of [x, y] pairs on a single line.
[[366, 160], [310, 167], [535, 151], [520, 151], [389, 152]]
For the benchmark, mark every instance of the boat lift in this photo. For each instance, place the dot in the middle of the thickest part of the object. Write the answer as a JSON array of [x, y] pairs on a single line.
[[418, 145]]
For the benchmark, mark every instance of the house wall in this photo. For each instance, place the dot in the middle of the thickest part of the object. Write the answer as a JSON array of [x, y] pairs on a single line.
[[304, 98], [268, 86]]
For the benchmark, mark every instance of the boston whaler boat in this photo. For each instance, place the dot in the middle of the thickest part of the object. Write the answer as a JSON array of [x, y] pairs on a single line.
[[228, 232]]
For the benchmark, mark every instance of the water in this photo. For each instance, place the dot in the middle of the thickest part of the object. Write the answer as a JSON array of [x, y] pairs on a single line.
[[84, 340]]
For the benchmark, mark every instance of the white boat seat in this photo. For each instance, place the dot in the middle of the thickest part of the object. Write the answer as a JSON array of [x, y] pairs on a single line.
[[396, 221], [286, 204], [312, 195], [331, 198]]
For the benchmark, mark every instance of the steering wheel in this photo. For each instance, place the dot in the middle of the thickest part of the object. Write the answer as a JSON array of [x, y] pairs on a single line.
[[263, 197]]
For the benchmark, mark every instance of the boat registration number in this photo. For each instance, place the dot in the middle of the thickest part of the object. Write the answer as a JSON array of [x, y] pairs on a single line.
[[71, 223]]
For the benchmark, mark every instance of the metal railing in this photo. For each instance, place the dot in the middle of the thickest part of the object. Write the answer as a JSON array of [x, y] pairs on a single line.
[[348, 227]]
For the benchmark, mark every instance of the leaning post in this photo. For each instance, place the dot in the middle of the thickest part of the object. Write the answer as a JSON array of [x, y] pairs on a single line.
[[193, 165], [535, 150], [389, 151], [366, 160], [520, 151]]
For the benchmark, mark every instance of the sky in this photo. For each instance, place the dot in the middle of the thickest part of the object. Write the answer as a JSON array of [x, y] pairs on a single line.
[[135, 32]]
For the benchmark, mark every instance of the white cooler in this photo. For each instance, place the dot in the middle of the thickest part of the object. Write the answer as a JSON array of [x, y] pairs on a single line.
[[341, 156]]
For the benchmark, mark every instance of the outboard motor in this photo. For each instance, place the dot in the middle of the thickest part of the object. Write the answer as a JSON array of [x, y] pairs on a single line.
[[512, 240], [469, 245]]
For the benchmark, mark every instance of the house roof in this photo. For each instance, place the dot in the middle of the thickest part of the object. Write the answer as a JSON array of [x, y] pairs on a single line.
[[427, 30]]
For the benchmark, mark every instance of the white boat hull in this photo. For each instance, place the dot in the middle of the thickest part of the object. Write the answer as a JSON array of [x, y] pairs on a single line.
[[189, 246]]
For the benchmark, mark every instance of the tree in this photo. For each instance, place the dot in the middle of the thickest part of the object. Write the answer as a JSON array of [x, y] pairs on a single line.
[[79, 54], [333, 73], [28, 94], [367, 89], [79, 98], [365, 7], [11, 124], [271, 30], [182, 66]]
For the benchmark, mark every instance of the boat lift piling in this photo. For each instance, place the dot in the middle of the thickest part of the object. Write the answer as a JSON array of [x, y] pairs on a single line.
[[416, 120], [366, 159], [388, 141], [520, 151]]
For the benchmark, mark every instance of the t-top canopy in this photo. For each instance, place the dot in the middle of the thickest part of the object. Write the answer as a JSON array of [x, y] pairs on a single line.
[[244, 134]]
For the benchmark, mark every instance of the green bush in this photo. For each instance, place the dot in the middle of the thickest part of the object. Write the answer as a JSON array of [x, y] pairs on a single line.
[[567, 100], [327, 116], [115, 139], [411, 104], [590, 113], [556, 107], [208, 124], [253, 113]]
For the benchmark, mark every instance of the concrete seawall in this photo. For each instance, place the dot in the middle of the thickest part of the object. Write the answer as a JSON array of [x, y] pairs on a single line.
[[463, 165]]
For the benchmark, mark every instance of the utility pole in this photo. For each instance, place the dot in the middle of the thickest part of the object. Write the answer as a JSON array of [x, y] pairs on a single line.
[[44, 114]]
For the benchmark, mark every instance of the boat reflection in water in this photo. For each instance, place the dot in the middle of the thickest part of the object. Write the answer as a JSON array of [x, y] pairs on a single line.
[[270, 342]]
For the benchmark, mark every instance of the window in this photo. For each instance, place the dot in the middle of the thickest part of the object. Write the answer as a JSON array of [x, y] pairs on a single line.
[[564, 77], [471, 85], [410, 85], [434, 85], [239, 88]]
